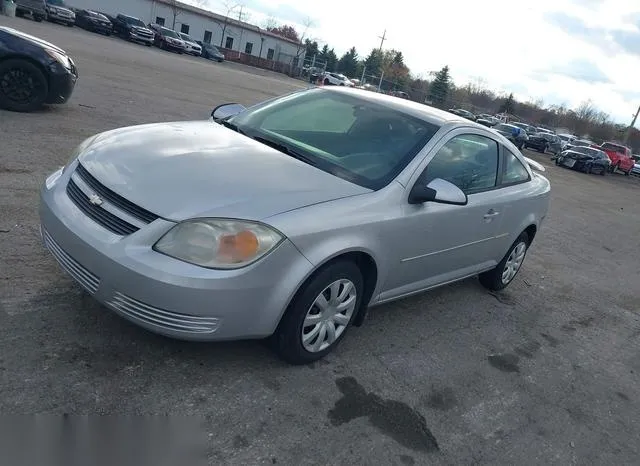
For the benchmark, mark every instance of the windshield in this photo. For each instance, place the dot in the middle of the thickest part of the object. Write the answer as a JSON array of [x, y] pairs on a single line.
[[185, 37], [350, 137], [581, 142], [134, 21], [614, 148], [169, 33], [586, 151], [564, 137]]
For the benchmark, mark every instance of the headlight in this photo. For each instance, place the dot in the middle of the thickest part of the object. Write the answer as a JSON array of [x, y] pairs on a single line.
[[62, 59], [218, 243]]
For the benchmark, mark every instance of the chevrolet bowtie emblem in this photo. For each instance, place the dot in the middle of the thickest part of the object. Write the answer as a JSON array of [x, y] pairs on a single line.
[[95, 199]]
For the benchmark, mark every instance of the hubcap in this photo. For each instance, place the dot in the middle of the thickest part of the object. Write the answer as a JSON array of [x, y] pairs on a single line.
[[329, 315], [18, 85], [514, 262]]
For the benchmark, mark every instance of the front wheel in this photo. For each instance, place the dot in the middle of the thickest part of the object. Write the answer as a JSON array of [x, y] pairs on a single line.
[[319, 316], [603, 172], [504, 273], [23, 87]]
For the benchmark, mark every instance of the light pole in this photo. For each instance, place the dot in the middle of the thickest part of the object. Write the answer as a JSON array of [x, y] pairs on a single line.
[[630, 128]]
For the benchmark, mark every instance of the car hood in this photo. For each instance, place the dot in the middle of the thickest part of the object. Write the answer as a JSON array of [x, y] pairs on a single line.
[[61, 8], [34, 40], [200, 169], [141, 29]]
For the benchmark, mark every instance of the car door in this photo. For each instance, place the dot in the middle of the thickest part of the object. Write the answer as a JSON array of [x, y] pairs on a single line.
[[437, 243]]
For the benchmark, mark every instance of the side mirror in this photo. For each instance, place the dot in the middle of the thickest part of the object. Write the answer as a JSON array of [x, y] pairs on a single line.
[[438, 190], [226, 110]]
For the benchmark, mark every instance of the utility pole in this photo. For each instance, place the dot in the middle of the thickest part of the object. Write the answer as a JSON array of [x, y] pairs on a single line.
[[382, 38], [240, 13], [630, 128]]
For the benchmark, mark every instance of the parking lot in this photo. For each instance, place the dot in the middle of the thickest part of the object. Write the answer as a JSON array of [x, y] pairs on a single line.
[[547, 372]]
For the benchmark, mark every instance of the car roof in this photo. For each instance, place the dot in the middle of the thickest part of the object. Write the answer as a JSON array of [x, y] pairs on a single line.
[[418, 110]]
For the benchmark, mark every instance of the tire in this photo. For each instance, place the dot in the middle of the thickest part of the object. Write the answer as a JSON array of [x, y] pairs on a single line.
[[327, 82], [545, 148], [493, 279], [15, 72], [603, 172], [288, 339], [38, 19], [69, 25]]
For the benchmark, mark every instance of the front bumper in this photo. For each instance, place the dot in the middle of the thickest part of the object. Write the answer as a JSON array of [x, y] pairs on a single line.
[[140, 38], [62, 82], [160, 293], [101, 28], [60, 18]]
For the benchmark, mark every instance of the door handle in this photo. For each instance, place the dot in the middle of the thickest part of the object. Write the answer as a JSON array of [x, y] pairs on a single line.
[[492, 213]]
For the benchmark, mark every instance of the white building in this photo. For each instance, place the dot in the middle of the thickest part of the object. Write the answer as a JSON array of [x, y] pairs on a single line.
[[250, 43]]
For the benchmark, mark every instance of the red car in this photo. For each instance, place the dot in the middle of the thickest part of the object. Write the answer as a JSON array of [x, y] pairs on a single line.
[[620, 157]]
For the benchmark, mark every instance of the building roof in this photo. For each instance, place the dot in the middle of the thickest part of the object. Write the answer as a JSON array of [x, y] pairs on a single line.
[[230, 21]]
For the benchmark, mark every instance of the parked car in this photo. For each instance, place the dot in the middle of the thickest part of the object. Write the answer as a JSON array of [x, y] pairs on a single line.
[[579, 143], [288, 219], [513, 133], [37, 9], [133, 29], [621, 157], [636, 169], [541, 129], [544, 142], [586, 159], [528, 128], [463, 113], [93, 21], [336, 79], [487, 120], [33, 72], [167, 39], [211, 52], [59, 12], [566, 138], [191, 46]]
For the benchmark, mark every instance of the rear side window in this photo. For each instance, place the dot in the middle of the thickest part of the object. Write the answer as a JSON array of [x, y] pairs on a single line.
[[469, 161], [513, 171]]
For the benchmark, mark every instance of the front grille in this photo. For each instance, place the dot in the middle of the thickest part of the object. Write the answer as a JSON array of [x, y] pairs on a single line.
[[97, 213], [167, 320], [85, 278], [115, 199]]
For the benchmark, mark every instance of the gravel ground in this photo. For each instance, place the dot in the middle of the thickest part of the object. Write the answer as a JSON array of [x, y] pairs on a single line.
[[546, 372]]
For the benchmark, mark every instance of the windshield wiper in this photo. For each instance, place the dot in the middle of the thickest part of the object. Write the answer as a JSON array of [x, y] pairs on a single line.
[[285, 150]]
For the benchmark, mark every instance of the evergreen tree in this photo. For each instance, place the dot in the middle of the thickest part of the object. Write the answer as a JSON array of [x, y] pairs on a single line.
[[440, 87], [373, 62], [348, 64]]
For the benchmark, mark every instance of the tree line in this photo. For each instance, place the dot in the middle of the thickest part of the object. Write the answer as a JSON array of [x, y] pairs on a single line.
[[386, 69]]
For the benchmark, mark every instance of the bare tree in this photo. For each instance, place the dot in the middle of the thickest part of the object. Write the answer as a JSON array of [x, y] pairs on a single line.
[[301, 46], [175, 11], [270, 23], [228, 6]]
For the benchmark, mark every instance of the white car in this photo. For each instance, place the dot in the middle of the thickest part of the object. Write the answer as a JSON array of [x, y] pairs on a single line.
[[192, 46], [336, 79], [566, 139]]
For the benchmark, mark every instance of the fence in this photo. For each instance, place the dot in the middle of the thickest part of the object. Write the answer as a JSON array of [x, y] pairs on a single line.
[[280, 63]]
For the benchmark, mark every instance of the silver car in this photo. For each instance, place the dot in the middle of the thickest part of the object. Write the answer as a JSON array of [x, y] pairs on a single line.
[[289, 219]]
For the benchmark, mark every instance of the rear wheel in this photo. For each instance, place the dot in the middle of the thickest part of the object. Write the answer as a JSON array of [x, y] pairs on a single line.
[[603, 172], [504, 273], [23, 87], [319, 316]]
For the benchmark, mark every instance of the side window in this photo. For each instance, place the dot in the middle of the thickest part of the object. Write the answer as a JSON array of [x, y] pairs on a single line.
[[469, 161], [513, 170]]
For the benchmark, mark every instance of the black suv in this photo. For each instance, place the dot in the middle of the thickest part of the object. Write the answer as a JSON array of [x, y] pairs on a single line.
[[36, 8], [132, 29], [33, 72]]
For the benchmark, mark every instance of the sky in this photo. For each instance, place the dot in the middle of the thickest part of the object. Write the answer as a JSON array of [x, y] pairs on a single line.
[[559, 51]]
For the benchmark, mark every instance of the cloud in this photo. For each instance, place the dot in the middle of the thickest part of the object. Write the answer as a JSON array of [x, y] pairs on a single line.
[[581, 70], [629, 41]]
